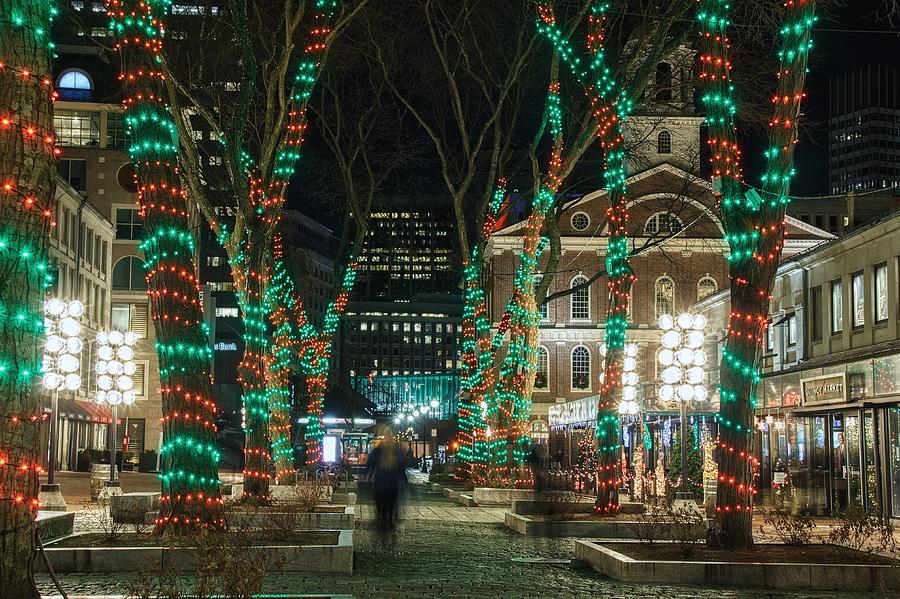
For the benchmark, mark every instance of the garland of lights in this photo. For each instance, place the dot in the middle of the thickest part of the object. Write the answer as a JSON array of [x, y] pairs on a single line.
[[191, 494], [610, 107], [754, 229], [27, 184]]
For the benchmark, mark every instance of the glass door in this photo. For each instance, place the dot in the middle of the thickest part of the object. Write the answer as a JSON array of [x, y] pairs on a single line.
[[846, 476], [870, 464]]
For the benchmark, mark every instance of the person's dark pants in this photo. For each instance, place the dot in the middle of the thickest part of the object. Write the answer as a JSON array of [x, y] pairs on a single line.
[[386, 507]]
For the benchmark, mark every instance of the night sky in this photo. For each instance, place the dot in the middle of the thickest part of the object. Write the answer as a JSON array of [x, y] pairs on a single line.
[[838, 49]]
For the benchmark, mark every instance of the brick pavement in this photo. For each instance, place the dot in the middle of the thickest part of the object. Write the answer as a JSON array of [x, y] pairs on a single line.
[[438, 556]]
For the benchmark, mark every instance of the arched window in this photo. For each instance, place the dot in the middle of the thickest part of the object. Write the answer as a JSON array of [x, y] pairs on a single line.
[[665, 296], [580, 302], [128, 275], [662, 222], [664, 143], [581, 368], [74, 84], [663, 82], [542, 373], [706, 286]]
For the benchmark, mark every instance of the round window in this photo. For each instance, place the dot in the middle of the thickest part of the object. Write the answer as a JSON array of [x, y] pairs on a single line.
[[127, 178], [580, 221]]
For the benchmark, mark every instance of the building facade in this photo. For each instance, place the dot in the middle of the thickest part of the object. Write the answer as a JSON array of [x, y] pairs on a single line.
[[828, 421], [94, 163], [408, 249], [80, 260], [864, 129]]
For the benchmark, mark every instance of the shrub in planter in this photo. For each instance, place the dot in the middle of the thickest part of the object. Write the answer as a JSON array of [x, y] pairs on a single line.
[[791, 529]]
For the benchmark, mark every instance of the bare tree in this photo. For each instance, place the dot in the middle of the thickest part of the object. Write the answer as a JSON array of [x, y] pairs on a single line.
[[27, 187]]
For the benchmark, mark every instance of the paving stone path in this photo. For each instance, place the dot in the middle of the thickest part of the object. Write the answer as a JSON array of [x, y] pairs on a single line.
[[443, 555]]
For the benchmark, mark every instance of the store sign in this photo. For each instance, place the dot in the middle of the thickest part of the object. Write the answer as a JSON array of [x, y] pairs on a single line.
[[574, 412], [824, 389]]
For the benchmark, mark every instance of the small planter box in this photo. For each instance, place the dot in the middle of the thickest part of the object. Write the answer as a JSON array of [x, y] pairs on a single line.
[[55, 525], [336, 558], [345, 519], [282, 492], [497, 496], [599, 528], [134, 508], [603, 557]]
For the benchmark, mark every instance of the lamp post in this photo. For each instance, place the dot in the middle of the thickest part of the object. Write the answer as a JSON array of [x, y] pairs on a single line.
[[683, 358], [61, 366], [115, 385]]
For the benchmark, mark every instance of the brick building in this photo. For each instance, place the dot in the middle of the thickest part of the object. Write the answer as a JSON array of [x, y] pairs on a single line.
[[683, 260]]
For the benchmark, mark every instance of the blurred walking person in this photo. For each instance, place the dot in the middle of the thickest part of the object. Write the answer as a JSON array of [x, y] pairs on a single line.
[[386, 469]]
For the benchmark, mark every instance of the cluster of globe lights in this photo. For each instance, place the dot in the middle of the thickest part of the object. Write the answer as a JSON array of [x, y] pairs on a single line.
[[115, 368], [411, 412], [628, 405], [682, 357], [63, 346]]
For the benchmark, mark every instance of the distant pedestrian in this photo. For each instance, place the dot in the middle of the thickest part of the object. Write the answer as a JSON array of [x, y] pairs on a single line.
[[538, 459], [386, 469]]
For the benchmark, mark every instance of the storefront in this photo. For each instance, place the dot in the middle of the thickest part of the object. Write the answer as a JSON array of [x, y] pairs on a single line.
[[829, 438]]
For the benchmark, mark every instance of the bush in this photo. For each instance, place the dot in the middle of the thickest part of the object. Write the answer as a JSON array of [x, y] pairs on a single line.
[[789, 528], [649, 526], [684, 531], [859, 530]]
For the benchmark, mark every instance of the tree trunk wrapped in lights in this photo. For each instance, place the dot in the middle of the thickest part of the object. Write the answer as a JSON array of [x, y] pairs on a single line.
[[27, 185], [260, 183], [297, 341], [610, 88], [191, 493], [478, 374], [510, 404], [754, 229]]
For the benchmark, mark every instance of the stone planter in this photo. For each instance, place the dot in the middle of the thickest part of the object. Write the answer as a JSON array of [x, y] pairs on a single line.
[[343, 520], [55, 525], [497, 496], [336, 558], [283, 492], [600, 528], [603, 557], [134, 508]]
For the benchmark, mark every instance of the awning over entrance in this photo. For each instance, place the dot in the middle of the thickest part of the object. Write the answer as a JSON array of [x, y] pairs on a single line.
[[80, 410]]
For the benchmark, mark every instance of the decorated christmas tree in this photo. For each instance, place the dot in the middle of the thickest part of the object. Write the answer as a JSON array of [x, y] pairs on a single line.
[[694, 483]]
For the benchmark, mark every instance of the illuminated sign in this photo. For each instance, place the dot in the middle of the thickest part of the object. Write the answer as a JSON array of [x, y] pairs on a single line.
[[824, 389], [574, 412]]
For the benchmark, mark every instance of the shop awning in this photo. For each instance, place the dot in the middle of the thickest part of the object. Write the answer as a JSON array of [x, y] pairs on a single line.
[[97, 413], [80, 410]]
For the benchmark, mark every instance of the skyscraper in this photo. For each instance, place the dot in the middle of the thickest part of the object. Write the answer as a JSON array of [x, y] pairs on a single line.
[[864, 129]]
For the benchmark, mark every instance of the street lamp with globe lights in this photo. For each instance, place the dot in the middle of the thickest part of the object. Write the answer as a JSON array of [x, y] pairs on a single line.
[[115, 370], [61, 366], [682, 358]]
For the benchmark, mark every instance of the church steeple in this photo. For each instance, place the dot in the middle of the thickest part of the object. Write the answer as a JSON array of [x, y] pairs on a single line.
[[665, 126]]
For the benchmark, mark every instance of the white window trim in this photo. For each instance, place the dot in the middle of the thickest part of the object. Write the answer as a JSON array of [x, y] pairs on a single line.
[[547, 388], [671, 217], [572, 299], [572, 221], [706, 277], [674, 293], [572, 370]]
